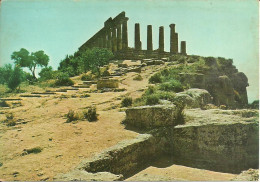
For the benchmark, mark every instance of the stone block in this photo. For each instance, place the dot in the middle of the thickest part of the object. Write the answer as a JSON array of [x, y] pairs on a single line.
[[134, 69], [146, 117], [107, 83], [122, 65]]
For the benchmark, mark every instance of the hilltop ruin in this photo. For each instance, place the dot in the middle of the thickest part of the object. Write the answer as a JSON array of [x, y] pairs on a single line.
[[114, 36]]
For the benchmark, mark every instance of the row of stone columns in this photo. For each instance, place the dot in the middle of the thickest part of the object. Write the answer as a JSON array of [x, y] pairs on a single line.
[[114, 37], [173, 39]]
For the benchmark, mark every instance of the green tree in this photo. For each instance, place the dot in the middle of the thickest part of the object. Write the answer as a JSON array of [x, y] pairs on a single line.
[[46, 73], [5, 73], [30, 60], [95, 58], [16, 78]]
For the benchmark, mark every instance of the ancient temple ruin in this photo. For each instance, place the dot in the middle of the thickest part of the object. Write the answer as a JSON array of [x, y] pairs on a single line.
[[114, 36]]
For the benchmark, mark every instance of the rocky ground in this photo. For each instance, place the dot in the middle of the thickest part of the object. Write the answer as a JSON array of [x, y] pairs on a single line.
[[41, 123]]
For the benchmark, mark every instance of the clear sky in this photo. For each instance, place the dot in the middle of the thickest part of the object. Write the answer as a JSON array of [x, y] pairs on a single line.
[[225, 28]]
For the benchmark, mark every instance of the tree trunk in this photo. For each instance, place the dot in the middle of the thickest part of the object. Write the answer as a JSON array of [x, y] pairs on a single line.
[[33, 72]]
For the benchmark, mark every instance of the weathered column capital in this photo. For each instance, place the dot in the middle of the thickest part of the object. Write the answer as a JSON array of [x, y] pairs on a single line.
[[172, 25]]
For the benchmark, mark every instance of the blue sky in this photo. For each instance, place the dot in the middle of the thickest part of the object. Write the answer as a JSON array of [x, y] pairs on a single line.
[[225, 28]]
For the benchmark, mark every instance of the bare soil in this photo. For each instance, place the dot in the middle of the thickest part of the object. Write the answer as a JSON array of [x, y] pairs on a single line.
[[42, 123]]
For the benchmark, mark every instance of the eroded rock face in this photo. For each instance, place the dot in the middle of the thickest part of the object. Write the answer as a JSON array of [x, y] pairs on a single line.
[[220, 77], [226, 141], [147, 117], [248, 175], [107, 83], [118, 161]]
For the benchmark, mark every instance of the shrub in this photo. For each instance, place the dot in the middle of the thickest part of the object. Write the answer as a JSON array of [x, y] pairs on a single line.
[[105, 73], [152, 100], [71, 116], [4, 104], [63, 80], [254, 105], [172, 85], [94, 58], [11, 122], [15, 78], [138, 78], [46, 73], [127, 101], [156, 78], [166, 95], [86, 77], [9, 116], [150, 90], [91, 114], [5, 73]]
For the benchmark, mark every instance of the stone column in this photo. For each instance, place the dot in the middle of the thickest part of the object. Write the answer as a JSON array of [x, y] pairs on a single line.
[[104, 41], [173, 40], [124, 34], [100, 42], [119, 37], [138, 43], [114, 42], [183, 47], [161, 39], [149, 38], [109, 46]]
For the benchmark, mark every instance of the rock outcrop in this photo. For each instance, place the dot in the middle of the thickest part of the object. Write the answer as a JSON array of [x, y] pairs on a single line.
[[194, 98], [147, 117], [218, 76]]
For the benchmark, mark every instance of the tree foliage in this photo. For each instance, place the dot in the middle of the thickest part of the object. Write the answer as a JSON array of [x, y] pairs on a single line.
[[80, 62], [16, 78], [30, 60], [5, 73]]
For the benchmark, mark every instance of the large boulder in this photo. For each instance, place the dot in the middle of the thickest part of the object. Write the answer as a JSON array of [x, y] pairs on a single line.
[[147, 117], [107, 83], [136, 69], [193, 98]]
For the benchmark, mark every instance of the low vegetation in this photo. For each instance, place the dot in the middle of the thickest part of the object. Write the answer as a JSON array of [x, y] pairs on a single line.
[[63, 79], [153, 95], [71, 116], [126, 102], [138, 78], [4, 104], [91, 114]]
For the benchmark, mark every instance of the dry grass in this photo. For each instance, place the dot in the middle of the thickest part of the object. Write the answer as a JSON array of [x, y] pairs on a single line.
[[63, 145]]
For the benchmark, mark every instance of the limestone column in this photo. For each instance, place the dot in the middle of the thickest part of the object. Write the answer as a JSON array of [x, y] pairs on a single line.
[[149, 38], [161, 39], [114, 42], [104, 41], [109, 46], [175, 43], [124, 34], [172, 39], [138, 44], [183, 47], [99, 42], [119, 37]]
